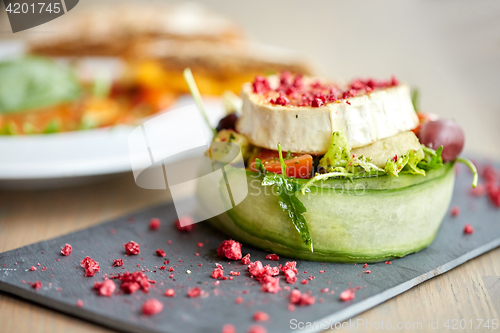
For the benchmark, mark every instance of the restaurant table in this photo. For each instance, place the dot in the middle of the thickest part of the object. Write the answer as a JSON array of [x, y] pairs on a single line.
[[466, 292]]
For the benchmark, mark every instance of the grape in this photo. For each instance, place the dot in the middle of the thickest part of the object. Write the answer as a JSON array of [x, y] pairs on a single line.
[[228, 122], [443, 132]]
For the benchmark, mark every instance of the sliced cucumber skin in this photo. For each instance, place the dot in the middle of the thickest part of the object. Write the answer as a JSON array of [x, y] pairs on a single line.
[[370, 220]]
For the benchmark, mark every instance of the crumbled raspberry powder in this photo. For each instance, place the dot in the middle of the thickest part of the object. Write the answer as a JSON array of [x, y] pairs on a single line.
[[200, 244], [347, 295], [154, 223], [270, 284], [171, 269], [105, 288], [239, 300], [478, 191], [260, 316], [117, 263], [468, 229], [160, 253], [290, 265], [33, 268], [132, 248], [228, 328], [170, 293], [151, 307], [246, 259], [79, 303], [304, 281], [131, 282], [388, 263], [36, 285], [234, 273], [272, 257], [255, 268], [90, 265], [290, 276], [302, 299], [66, 250], [230, 249], [367, 272], [195, 292], [455, 211], [257, 329], [188, 223], [365, 265], [217, 273]]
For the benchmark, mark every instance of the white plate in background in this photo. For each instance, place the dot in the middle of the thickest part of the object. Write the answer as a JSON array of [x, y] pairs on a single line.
[[75, 158]]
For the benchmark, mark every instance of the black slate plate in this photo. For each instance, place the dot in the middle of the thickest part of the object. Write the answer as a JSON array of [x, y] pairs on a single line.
[[64, 282]]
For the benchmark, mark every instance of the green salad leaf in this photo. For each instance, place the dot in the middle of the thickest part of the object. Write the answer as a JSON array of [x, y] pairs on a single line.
[[33, 83], [287, 196], [432, 159], [338, 153]]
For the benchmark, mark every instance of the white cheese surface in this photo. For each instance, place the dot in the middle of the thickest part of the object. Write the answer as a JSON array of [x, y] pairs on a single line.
[[368, 118]]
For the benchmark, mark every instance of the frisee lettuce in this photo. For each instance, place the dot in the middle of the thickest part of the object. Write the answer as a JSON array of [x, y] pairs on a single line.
[[287, 196]]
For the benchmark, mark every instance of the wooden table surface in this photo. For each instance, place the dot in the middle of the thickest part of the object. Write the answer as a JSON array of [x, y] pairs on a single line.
[[31, 216]]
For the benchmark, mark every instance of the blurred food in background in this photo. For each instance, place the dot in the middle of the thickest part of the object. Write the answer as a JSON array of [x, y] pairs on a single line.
[[114, 65]]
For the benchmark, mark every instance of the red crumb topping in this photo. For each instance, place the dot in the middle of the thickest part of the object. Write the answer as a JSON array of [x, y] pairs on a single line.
[[246, 259], [33, 268], [302, 299], [272, 257], [154, 223], [290, 265], [270, 284], [365, 265], [131, 282], [304, 281], [455, 211], [105, 288], [228, 328], [367, 272], [347, 295], [217, 273], [79, 303], [117, 263], [195, 292], [188, 223], [290, 276], [234, 273], [239, 300], [468, 229], [66, 250], [132, 248], [200, 244], [260, 316], [257, 329], [170, 293], [388, 263], [293, 90], [230, 249], [151, 307], [160, 253], [36, 285], [90, 265], [478, 191], [171, 269]]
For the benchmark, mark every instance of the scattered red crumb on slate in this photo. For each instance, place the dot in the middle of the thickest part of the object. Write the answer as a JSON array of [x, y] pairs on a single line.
[[257, 329], [105, 288], [36, 285], [228, 328], [195, 292], [234, 273], [388, 262], [151, 307], [33, 268], [260, 316], [290, 265], [132, 248], [347, 295], [455, 211], [367, 272], [188, 223], [272, 257], [117, 263], [90, 265], [246, 259], [230, 249], [160, 253], [154, 223], [270, 284], [468, 229], [170, 293], [171, 269], [304, 281], [480, 190], [131, 282], [302, 299], [217, 273], [290, 276], [66, 250], [239, 300], [200, 244], [79, 303], [366, 265]]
